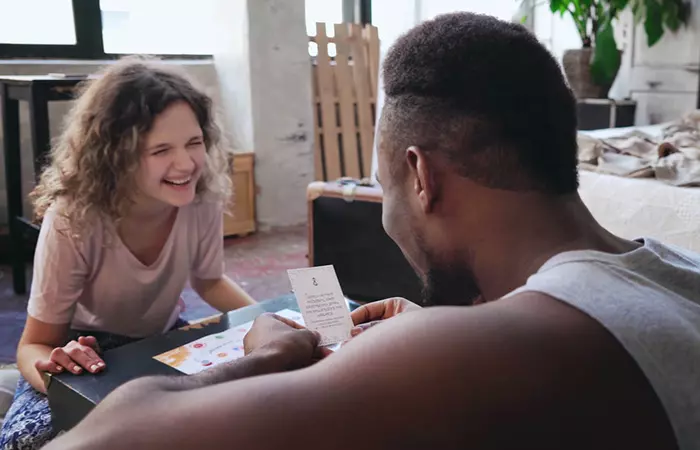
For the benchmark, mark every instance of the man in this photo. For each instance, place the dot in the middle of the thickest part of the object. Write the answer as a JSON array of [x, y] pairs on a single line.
[[575, 339]]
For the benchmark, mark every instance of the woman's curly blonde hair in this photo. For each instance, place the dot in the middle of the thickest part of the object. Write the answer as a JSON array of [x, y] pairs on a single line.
[[93, 163]]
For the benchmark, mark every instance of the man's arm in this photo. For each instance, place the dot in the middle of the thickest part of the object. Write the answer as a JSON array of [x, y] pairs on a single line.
[[260, 363], [523, 374]]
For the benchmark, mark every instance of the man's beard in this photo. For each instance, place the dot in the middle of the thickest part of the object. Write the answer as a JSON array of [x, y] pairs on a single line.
[[444, 283], [450, 286]]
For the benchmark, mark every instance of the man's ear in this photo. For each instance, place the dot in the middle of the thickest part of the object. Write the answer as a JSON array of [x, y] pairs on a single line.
[[422, 171]]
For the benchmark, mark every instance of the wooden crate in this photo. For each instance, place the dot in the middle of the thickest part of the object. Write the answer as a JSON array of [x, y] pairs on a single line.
[[240, 219], [344, 99]]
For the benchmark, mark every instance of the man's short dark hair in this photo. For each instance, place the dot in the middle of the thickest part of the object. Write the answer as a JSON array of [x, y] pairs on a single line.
[[487, 95]]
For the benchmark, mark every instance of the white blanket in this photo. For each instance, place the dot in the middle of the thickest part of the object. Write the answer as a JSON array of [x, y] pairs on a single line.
[[633, 208], [668, 152]]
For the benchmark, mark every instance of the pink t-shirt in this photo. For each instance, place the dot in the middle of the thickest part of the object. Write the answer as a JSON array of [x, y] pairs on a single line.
[[96, 283]]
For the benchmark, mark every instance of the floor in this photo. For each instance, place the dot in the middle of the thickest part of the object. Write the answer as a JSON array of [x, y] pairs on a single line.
[[257, 262]]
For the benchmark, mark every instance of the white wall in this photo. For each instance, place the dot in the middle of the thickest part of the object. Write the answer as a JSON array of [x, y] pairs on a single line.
[[393, 18], [503, 9], [265, 79], [557, 33]]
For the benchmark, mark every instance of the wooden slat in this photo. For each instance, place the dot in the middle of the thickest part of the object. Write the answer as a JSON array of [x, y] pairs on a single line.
[[373, 42], [339, 86], [346, 102], [318, 158], [336, 99], [330, 39], [337, 129], [364, 111], [314, 83], [326, 90]]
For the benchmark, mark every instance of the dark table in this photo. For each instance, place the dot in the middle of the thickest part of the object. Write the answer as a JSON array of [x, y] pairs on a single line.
[[38, 91], [72, 397]]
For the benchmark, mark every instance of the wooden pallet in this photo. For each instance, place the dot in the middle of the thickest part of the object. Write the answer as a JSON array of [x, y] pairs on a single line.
[[344, 98]]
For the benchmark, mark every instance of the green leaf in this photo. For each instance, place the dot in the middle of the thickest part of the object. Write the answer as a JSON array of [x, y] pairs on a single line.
[[671, 15], [638, 10], [619, 4], [606, 59], [653, 24], [559, 6]]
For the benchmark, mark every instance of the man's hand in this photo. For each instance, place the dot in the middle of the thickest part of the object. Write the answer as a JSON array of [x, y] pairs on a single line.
[[74, 356], [373, 313], [298, 345]]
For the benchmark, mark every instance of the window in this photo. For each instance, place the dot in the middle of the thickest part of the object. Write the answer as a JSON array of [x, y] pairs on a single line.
[[327, 11], [100, 29], [158, 26], [37, 22]]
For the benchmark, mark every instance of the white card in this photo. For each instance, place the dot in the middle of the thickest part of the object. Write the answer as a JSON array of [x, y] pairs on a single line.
[[322, 303]]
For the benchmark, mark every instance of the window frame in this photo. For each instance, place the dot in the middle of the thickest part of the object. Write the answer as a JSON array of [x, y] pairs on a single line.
[[89, 45], [87, 17], [357, 11]]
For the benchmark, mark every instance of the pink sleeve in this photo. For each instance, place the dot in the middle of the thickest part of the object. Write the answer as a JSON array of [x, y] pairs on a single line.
[[209, 262], [59, 275]]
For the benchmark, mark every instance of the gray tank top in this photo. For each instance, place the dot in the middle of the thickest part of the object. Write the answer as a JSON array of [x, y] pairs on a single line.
[[649, 299]]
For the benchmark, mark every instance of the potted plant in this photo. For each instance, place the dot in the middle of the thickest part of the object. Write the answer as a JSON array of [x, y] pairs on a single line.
[[591, 70]]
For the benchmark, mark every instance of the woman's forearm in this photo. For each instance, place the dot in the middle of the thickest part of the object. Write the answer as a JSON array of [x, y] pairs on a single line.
[[223, 294], [27, 356]]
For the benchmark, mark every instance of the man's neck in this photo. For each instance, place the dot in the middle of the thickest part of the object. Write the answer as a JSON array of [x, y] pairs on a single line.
[[521, 237]]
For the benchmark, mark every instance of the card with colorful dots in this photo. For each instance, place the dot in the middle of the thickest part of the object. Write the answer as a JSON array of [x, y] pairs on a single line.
[[218, 348]]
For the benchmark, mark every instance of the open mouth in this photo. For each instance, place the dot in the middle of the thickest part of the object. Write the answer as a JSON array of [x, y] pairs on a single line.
[[178, 182]]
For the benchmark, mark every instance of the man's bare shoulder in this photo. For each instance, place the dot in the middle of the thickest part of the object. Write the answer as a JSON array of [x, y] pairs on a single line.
[[509, 325], [538, 367]]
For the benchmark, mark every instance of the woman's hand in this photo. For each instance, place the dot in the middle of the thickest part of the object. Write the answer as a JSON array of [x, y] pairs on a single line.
[[373, 313], [74, 357]]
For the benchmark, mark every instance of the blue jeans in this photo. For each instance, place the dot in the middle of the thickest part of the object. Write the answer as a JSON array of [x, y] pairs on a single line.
[[27, 424]]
